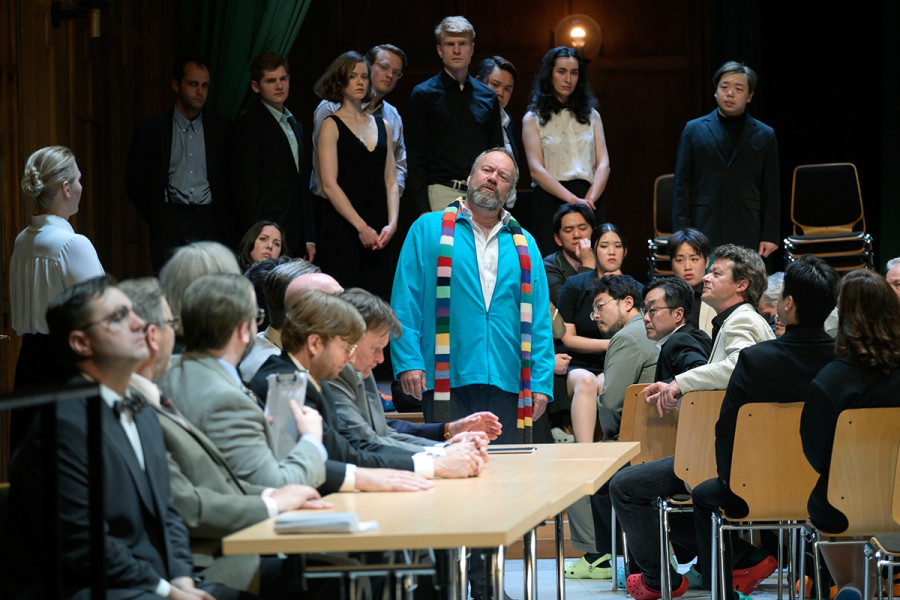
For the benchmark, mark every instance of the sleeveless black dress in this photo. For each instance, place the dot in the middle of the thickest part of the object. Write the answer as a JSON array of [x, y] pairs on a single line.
[[361, 177]]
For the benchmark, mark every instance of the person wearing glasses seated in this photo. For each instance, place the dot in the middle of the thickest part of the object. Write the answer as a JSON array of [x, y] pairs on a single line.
[[667, 304], [631, 358]]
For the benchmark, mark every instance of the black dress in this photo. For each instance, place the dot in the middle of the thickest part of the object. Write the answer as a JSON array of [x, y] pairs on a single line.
[[361, 177]]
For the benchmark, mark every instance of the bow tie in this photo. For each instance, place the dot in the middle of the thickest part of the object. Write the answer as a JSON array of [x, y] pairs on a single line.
[[129, 404]]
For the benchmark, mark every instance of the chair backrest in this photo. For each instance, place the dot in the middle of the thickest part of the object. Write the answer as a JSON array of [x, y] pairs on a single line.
[[826, 198], [695, 443], [642, 423], [775, 479], [662, 205], [863, 462], [895, 508]]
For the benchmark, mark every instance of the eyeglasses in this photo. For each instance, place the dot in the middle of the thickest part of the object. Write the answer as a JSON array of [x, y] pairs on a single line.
[[260, 316], [596, 308], [386, 67], [114, 318], [349, 348], [653, 311], [173, 322]]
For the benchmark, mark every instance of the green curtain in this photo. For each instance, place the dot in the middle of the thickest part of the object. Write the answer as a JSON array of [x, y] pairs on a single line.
[[230, 33]]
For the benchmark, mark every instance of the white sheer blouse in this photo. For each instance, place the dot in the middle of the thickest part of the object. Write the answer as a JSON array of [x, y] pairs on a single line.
[[569, 148]]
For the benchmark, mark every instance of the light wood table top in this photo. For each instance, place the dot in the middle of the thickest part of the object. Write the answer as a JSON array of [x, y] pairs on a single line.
[[513, 495]]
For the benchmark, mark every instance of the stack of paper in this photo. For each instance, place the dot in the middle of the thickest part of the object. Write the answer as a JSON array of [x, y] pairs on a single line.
[[322, 522]]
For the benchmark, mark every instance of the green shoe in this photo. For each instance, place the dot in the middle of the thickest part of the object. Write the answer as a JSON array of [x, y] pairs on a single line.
[[582, 569]]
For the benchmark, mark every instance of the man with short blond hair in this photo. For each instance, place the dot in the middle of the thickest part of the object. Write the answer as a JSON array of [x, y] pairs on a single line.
[[452, 117]]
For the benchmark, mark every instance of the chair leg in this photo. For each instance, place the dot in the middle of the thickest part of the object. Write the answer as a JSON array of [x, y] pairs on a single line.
[[717, 577], [664, 575], [818, 566], [867, 576], [801, 569], [612, 561], [780, 559]]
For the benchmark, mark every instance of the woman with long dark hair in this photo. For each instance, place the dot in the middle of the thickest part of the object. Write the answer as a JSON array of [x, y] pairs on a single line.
[[564, 142], [866, 373]]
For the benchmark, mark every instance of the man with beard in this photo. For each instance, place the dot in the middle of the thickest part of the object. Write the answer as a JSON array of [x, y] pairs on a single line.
[[471, 294]]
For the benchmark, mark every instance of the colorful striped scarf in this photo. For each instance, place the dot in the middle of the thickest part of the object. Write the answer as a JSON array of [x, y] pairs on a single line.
[[442, 318]]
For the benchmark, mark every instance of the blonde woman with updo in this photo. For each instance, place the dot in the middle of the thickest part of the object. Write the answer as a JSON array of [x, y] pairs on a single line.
[[48, 257]]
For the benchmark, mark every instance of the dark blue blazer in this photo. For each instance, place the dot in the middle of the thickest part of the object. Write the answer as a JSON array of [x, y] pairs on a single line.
[[732, 198]]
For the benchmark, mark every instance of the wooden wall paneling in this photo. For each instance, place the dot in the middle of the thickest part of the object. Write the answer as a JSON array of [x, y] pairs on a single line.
[[11, 208]]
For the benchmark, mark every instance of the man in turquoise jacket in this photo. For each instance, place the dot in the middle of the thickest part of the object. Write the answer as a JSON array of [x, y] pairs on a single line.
[[471, 294]]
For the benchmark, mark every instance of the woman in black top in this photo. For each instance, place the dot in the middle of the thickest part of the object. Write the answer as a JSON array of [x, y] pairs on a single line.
[[356, 167], [583, 339]]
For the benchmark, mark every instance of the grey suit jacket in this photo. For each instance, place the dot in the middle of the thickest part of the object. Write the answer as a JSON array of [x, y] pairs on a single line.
[[222, 409], [212, 502], [744, 327], [361, 412], [631, 358]]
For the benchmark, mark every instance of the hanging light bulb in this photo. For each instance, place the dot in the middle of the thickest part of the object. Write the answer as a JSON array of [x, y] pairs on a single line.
[[580, 32]]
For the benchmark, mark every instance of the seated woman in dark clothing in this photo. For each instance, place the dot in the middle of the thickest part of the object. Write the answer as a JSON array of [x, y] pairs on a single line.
[[582, 338], [866, 373]]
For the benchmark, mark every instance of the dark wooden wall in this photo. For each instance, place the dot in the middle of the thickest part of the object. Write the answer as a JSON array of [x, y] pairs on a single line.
[[649, 77], [58, 86]]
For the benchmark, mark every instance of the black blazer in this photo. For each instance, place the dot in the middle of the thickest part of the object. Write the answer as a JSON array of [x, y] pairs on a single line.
[[688, 347], [147, 167], [265, 181], [778, 370], [145, 537], [341, 450], [731, 198]]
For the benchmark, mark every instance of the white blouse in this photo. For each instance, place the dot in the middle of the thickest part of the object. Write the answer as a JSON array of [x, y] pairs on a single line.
[[48, 257], [569, 148]]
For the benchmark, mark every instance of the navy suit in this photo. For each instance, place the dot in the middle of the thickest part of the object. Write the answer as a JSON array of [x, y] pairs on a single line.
[[341, 450], [731, 197], [145, 539], [266, 182], [147, 176]]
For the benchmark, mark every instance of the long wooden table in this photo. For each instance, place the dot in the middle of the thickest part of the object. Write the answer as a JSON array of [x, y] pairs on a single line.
[[514, 494]]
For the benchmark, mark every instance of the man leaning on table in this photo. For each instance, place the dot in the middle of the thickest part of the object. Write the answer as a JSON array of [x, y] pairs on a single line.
[[320, 335], [212, 500]]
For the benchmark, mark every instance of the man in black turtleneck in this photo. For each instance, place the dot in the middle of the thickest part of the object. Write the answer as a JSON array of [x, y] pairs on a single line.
[[726, 172]]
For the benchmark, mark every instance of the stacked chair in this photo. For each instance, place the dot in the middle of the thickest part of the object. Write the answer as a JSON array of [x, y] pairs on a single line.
[[828, 217], [658, 261]]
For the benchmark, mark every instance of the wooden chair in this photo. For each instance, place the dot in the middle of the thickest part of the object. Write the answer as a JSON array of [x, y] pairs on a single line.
[[864, 456], [641, 423], [885, 549], [659, 262], [775, 480], [695, 462]]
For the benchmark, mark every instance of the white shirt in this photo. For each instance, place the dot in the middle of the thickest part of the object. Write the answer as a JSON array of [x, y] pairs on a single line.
[[487, 252], [48, 257], [282, 118], [569, 148]]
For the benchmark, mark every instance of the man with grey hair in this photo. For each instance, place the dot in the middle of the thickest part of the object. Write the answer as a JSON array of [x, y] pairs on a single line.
[[477, 318], [892, 274], [452, 117]]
